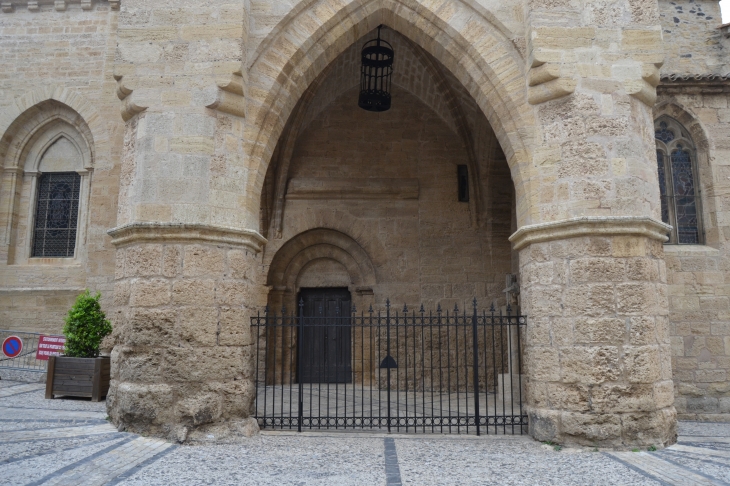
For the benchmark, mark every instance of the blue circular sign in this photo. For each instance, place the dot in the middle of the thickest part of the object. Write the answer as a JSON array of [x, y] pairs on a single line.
[[12, 346]]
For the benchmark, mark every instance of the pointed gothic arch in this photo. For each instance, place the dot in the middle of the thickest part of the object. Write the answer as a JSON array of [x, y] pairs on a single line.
[[462, 37], [690, 128]]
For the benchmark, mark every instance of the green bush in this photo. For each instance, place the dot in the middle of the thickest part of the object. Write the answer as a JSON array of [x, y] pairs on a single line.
[[86, 325]]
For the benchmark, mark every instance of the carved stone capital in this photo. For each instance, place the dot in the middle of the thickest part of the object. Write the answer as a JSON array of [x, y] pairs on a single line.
[[590, 226], [186, 233]]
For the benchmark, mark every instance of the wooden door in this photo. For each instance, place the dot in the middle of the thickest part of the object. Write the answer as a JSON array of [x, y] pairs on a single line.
[[326, 340]]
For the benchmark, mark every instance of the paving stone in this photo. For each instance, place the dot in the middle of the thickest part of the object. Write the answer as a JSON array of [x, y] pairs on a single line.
[[62, 442]]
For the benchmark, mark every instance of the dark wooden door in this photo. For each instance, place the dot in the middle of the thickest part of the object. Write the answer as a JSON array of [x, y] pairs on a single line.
[[326, 340]]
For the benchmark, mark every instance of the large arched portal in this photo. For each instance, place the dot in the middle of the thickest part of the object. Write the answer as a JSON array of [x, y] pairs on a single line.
[[412, 206]]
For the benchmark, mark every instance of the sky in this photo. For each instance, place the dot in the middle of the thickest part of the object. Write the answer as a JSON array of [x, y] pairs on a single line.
[[725, 6]]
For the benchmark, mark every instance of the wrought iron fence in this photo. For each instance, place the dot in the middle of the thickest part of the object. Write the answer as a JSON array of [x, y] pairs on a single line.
[[26, 360], [410, 371]]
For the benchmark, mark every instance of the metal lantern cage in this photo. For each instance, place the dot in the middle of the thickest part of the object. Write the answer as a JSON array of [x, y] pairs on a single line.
[[375, 75]]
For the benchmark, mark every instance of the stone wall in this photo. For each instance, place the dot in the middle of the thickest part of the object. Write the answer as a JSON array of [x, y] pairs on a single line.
[[698, 275], [423, 245], [56, 62], [692, 41]]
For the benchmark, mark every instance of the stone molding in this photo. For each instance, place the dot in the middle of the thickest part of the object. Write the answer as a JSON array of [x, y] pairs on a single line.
[[548, 80], [129, 106], [9, 6], [229, 96], [695, 78], [22, 290], [188, 233], [590, 226], [704, 83], [367, 188]]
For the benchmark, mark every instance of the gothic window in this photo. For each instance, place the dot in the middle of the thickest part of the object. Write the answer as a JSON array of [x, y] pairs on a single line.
[[56, 214], [676, 166]]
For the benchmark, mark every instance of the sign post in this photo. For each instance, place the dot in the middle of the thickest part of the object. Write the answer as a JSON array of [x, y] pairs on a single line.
[[49, 346], [12, 346]]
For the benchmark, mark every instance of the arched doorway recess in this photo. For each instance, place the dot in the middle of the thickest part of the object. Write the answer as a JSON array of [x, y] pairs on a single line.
[[389, 182]]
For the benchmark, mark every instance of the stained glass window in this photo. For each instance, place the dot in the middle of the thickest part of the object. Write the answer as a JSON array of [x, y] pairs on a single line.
[[684, 196], [56, 214], [663, 133], [662, 185], [679, 196]]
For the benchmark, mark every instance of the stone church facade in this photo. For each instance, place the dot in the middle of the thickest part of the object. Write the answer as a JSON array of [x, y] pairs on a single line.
[[215, 162]]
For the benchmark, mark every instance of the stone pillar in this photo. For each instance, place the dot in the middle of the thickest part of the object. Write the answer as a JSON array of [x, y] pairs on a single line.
[[593, 279], [187, 279], [184, 354]]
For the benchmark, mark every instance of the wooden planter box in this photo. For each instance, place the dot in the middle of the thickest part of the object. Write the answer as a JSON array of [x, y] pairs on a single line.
[[78, 377]]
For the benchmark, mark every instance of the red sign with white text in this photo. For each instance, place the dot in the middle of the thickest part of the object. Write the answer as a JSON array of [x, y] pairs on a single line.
[[49, 346]]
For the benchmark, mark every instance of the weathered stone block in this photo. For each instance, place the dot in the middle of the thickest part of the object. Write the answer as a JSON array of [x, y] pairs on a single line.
[[203, 260], [600, 331], [589, 428], [149, 293], [589, 365], [650, 428], [622, 398], [199, 409], [193, 292], [198, 326], [642, 364]]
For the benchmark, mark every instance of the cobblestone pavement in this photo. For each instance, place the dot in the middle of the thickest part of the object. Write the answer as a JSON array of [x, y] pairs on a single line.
[[65, 441]]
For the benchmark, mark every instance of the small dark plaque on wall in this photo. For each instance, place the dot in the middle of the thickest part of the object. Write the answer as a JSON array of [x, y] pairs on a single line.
[[463, 178]]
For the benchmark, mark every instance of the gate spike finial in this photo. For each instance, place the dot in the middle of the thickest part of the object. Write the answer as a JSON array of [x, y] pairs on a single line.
[[370, 310], [422, 310], [438, 308], [491, 308], [387, 302], [405, 308], [354, 308], [474, 302], [456, 308], [509, 309], [266, 309]]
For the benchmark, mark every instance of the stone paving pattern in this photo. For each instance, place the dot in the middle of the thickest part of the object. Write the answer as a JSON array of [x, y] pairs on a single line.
[[69, 441]]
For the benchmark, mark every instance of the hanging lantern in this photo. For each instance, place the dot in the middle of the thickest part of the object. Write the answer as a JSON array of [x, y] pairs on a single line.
[[375, 75]]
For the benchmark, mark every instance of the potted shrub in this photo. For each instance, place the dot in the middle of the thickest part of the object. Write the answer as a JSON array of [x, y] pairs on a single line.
[[80, 371]]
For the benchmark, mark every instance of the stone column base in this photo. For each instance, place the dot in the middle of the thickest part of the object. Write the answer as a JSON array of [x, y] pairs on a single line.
[[597, 349], [616, 430], [182, 365]]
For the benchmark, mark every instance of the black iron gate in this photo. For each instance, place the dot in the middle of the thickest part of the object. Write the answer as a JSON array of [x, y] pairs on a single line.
[[409, 371]]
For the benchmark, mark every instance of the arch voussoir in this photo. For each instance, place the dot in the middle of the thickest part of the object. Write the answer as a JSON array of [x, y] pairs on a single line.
[[315, 244]]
